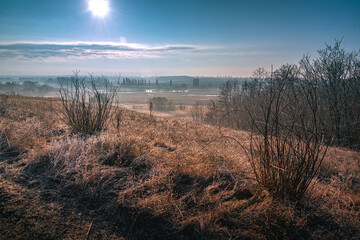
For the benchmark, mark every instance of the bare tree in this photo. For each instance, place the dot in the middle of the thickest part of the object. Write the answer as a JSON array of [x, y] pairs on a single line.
[[335, 74]]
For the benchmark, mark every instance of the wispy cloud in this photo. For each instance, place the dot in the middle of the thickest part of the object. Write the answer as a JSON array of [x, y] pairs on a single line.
[[57, 51]]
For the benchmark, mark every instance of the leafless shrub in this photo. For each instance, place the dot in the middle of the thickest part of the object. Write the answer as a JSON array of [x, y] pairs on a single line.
[[182, 107], [151, 107], [118, 117], [288, 151], [161, 104], [87, 105], [229, 107], [4, 140], [229, 101], [198, 112], [281, 113], [3, 103]]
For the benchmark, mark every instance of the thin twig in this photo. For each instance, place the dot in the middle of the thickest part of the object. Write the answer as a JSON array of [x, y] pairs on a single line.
[[88, 233]]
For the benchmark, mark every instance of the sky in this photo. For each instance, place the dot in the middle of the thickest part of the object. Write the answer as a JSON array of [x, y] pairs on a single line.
[[166, 38]]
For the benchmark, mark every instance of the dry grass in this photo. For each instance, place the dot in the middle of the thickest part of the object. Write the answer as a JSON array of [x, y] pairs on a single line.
[[155, 179]]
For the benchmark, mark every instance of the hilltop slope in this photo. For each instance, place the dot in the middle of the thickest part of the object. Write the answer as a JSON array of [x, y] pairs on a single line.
[[155, 179]]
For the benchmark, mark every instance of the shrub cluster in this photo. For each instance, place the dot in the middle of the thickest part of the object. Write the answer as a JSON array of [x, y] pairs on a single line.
[[292, 114], [329, 86], [161, 104]]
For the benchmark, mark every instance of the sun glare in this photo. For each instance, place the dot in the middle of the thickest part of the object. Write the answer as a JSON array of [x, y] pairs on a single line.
[[99, 7]]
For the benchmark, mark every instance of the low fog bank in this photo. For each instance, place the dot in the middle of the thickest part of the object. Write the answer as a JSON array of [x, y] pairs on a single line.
[[177, 87]]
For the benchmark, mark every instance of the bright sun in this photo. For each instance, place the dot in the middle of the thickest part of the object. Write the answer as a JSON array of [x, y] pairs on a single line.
[[99, 7]]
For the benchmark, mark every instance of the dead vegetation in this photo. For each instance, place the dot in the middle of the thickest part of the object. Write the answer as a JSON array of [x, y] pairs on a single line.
[[156, 178], [327, 87], [87, 104], [3, 103]]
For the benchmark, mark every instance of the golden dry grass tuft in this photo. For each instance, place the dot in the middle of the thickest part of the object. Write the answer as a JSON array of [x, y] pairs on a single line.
[[155, 178]]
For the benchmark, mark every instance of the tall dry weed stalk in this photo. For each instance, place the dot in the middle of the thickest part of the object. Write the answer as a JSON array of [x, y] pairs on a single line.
[[4, 101], [198, 112]]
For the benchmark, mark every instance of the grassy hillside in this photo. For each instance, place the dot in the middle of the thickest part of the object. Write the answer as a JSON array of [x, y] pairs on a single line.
[[159, 178]]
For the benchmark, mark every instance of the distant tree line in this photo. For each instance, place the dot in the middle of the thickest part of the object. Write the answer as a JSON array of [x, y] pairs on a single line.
[[166, 84], [27, 88], [135, 82]]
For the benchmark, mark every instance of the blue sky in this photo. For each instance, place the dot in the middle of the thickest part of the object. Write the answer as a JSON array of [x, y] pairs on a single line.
[[157, 37]]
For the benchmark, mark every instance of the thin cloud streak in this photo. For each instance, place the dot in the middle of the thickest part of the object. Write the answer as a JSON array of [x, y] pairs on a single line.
[[57, 51], [64, 51]]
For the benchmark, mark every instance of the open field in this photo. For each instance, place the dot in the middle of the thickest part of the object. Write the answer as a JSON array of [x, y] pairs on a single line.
[[159, 178], [138, 100], [185, 97]]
